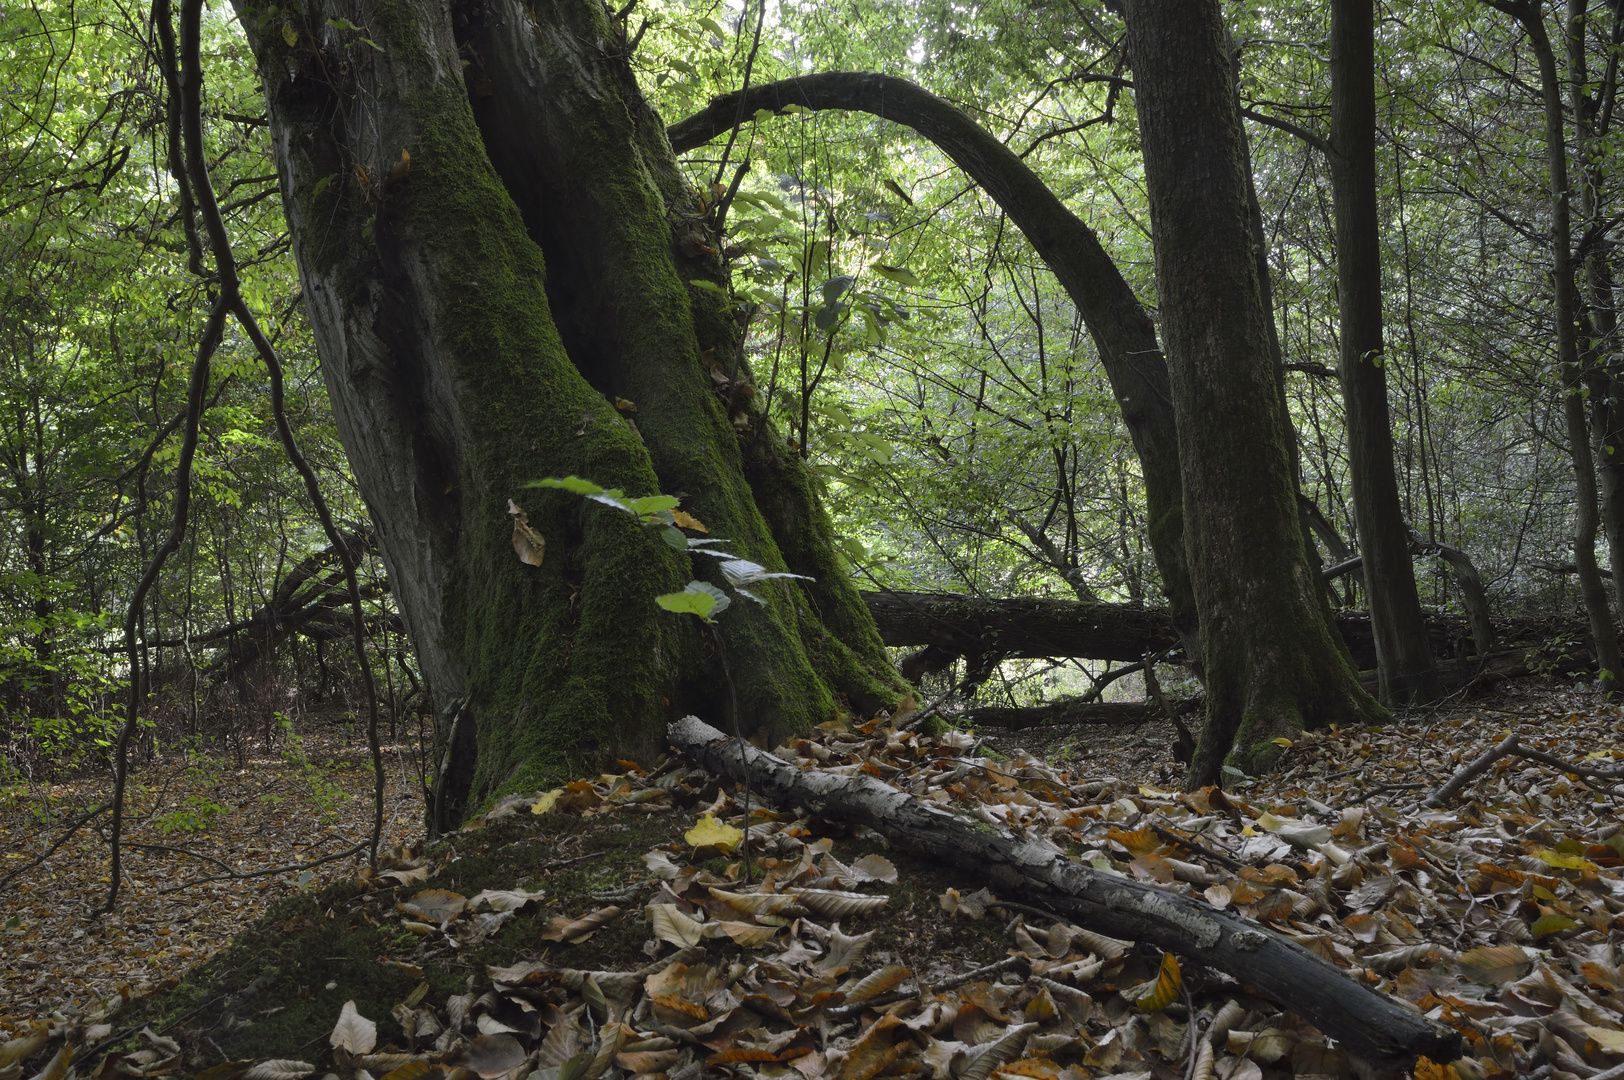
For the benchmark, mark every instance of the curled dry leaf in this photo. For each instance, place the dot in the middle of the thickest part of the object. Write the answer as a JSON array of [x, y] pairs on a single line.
[[435, 905], [494, 1055], [571, 931], [528, 544], [279, 1069]]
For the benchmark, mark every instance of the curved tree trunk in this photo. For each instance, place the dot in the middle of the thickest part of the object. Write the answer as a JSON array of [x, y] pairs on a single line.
[[482, 280], [1404, 661], [1121, 329], [1273, 665]]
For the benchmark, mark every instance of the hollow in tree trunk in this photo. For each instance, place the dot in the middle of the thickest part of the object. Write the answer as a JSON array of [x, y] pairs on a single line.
[[495, 244], [1272, 663]]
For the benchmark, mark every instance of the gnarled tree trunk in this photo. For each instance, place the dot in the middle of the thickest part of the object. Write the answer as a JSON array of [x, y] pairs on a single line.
[[494, 242]]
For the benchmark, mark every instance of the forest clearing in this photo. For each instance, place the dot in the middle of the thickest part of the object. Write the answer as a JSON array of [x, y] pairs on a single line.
[[547, 540]]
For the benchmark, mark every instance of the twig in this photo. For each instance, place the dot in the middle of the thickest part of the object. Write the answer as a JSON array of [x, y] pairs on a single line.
[[1027, 909], [1614, 773], [181, 851], [77, 824], [1219, 857], [362, 846], [926, 713], [1382, 789], [1469, 772]]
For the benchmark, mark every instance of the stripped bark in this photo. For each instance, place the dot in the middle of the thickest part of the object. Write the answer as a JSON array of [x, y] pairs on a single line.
[[1272, 966]]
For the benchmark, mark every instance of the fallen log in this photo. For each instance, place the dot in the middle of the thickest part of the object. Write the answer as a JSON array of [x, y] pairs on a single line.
[[1369, 1024], [958, 625], [1070, 711]]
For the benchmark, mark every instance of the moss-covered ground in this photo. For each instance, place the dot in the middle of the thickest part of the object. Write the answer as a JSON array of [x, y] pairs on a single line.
[[277, 990]]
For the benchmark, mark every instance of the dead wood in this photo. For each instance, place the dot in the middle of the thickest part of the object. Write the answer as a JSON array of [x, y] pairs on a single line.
[[1067, 711], [949, 625], [1366, 1022]]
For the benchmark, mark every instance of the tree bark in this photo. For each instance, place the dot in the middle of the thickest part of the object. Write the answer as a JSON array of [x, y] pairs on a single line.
[[482, 280], [1121, 329], [1272, 663], [1030, 626], [1565, 315], [1404, 660], [1606, 389], [1266, 963]]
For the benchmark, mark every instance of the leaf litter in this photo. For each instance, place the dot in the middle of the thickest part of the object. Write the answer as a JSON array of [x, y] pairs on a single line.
[[1498, 915]]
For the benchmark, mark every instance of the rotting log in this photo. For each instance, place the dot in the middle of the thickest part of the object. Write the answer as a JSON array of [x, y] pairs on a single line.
[[1041, 627], [1272, 966], [1072, 711]]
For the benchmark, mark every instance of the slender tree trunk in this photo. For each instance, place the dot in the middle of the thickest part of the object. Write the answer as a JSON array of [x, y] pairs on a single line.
[[1566, 315], [1606, 390], [483, 280], [1272, 663], [1404, 662]]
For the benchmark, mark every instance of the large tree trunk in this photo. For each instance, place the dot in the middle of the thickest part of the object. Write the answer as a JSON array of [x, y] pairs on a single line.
[[1121, 329], [1404, 660], [482, 279], [1565, 315], [1272, 663]]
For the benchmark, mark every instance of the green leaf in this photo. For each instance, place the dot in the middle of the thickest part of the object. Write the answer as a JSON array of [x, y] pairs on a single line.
[[650, 504], [568, 483], [708, 286], [899, 274], [674, 537], [835, 287], [699, 598]]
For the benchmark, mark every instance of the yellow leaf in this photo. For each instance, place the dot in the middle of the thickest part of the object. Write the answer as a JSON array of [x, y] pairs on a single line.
[[712, 833], [1166, 990], [1552, 924], [1608, 1039], [624, 406], [1281, 740], [688, 521], [290, 35], [547, 801], [527, 543], [1564, 862]]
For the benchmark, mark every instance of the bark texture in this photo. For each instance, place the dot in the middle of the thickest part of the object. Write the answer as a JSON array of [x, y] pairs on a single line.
[[1565, 315], [1032, 626], [1272, 663], [1404, 660], [1266, 963], [1121, 329], [481, 280]]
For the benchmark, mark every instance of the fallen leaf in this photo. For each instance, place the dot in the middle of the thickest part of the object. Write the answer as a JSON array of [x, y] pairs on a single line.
[[353, 1032]]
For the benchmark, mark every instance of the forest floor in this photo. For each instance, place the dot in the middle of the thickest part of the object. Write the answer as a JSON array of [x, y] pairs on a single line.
[[282, 802], [1499, 916]]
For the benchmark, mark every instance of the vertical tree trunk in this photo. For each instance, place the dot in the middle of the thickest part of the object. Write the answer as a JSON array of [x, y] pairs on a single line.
[[1606, 390], [1272, 663], [1566, 315], [1405, 670], [482, 283]]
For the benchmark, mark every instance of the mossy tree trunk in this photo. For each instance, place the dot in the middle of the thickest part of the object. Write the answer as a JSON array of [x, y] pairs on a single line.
[[1272, 662], [494, 243]]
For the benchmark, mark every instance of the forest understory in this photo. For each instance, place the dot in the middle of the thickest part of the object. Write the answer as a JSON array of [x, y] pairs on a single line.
[[1497, 915]]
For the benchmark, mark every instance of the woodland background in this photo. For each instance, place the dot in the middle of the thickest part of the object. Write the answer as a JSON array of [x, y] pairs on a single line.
[[957, 419]]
